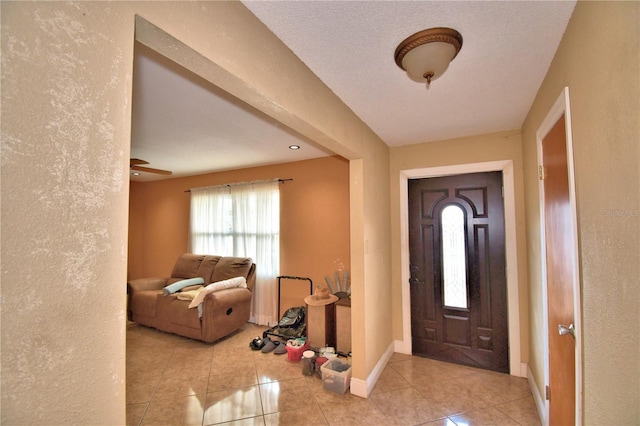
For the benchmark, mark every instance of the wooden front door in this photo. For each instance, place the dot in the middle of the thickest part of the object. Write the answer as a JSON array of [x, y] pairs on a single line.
[[457, 268], [560, 258]]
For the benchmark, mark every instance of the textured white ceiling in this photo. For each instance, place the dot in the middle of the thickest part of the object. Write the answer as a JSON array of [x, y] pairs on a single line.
[[187, 126], [489, 86], [184, 124]]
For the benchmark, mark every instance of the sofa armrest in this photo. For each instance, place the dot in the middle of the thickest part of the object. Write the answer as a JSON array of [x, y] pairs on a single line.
[[144, 284], [224, 312]]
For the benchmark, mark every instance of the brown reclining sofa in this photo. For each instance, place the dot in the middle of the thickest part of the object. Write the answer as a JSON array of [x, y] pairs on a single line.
[[223, 311]]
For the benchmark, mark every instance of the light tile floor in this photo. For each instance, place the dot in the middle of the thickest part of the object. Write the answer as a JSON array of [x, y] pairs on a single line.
[[173, 380]]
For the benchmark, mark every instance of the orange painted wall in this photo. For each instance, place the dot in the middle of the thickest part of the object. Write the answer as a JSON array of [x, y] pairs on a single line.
[[314, 221]]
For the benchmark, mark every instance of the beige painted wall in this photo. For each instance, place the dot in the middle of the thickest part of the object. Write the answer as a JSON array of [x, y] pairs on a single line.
[[66, 84], [599, 60], [66, 96], [314, 224], [474, 149]]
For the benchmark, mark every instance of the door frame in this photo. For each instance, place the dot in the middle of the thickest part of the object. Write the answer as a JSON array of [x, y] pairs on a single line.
[[516, 367], [560, 107]]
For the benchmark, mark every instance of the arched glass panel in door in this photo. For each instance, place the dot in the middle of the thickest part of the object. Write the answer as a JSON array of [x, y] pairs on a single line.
[[454, 258]]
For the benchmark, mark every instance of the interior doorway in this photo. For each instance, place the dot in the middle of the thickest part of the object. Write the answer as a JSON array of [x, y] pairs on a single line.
[[516, 367], [163, 43], [560, 267]]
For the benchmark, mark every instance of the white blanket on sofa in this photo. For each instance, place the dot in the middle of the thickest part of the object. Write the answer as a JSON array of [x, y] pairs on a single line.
[[190, 294], [219, 285]]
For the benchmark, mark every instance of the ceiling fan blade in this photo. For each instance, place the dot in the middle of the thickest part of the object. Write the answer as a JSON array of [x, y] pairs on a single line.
[[137, 161], [150, 170]]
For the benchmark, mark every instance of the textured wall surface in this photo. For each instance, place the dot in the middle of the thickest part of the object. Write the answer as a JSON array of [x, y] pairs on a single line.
[[599, 60], [66, 89], [64, 137]]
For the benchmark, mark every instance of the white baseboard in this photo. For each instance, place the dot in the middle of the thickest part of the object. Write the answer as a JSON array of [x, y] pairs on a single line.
[[402, 347], [363, 388], [538, 399], [358, 387]]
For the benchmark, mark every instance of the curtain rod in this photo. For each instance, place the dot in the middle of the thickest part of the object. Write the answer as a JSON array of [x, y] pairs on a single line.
[[244, 183]]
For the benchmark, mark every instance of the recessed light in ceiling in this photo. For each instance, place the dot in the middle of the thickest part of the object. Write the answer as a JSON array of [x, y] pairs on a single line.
[[135, 173], [294, 147]]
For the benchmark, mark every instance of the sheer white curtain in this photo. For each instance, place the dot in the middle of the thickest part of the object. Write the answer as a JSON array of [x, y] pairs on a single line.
[[257, 233], [211, 223], [242, 220]]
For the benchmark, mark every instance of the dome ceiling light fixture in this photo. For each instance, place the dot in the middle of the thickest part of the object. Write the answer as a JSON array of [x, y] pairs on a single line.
[[426, 54]]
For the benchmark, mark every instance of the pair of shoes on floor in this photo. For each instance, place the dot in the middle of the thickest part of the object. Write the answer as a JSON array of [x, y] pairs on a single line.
[[274, 346], [257, 344]]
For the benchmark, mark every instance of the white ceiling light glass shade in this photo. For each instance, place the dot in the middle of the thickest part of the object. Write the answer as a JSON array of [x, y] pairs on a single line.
[[426, 54]]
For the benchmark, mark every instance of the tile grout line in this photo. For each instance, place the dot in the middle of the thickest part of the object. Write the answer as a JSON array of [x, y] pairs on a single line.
[[206, 392], [255, 371]]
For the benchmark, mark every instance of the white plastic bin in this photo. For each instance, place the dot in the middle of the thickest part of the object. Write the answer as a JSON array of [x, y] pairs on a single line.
[[336, 375]]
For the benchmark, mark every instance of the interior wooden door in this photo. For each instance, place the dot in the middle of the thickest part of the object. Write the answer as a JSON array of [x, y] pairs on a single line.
[[560, 258], [470, 326]]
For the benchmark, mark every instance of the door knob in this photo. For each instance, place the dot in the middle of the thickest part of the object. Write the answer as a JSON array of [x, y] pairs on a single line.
[[563, 329]]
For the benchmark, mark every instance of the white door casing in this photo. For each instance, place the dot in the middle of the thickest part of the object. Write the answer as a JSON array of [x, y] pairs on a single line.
[[561, 107], [516, 367]]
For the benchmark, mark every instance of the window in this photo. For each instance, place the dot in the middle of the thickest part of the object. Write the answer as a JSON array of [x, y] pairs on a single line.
[[242, 220], [454, 257]]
